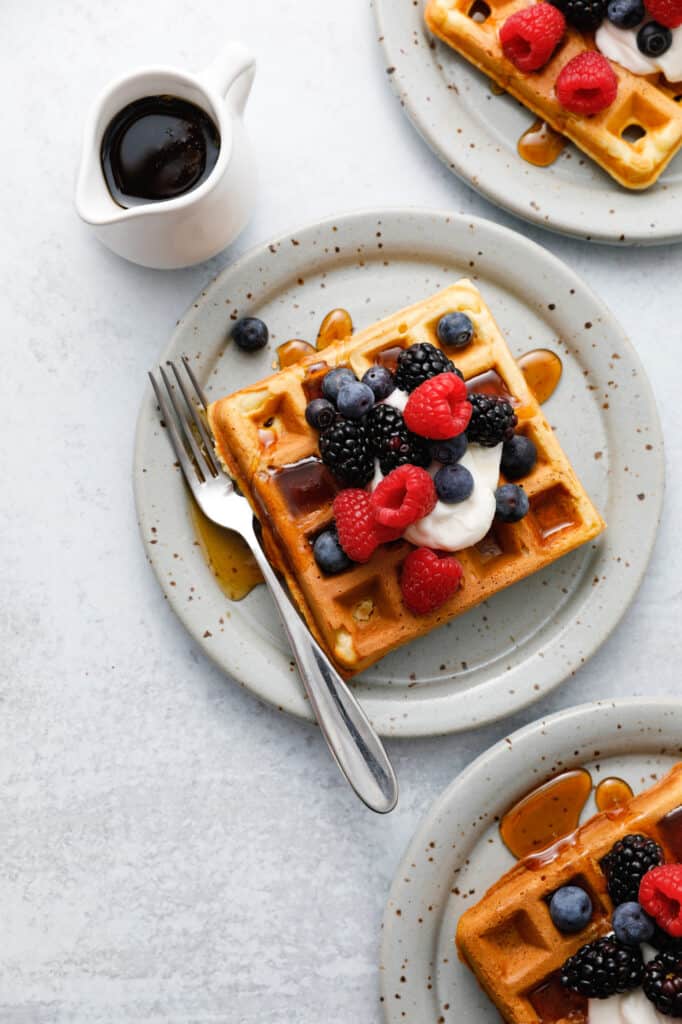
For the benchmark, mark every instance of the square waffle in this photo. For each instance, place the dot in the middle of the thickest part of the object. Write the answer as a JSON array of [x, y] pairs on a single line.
[[471, 27], [267, 446], [508, 939]]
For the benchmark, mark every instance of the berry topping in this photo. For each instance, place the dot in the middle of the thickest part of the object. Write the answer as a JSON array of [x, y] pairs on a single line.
[[586, 15], [530, 36], [329, 555], [626, 864], [660, 893], [511, 503], [404, 496], [665, 943], [380, 380], [345, 451], [631, 925], [453, 484], [663, 983], [519, 456], [250, 334], [358, 532], [450, 451], [602, 968], [320, 413], [455, 330], [625, 13], [428, 580], [391, 442], [570, 909], [587, 84], [654, 40], [419, 363], [665, 12], [333, 381], [354, 399], [492, 420], [438, 408]]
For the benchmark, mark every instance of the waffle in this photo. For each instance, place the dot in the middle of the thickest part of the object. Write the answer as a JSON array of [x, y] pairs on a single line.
[[508, 939], [649, 105], [263, 439]]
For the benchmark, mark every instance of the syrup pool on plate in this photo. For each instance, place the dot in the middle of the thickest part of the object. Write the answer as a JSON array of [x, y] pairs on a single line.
[[612, 795], [540, 144], [542, 369], [336, 326], [229, 557], [547, 815]]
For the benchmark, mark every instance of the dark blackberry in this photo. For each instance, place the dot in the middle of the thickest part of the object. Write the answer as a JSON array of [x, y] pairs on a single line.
[[419, 363], [492, 420], [626, 864], [665, 943], [663, 983], [391, 442], [602, 968], [585, 15], [345, 450]]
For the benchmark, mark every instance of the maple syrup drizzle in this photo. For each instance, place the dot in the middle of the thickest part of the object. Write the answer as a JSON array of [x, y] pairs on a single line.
[[336, 326], [542, 370], [540, 144], [553, 1003], [541, 824], [228, 555], [293, 352], [612, 795], [671, 829]]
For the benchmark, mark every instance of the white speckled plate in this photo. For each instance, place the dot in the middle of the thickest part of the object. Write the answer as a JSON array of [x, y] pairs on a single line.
[[507, 653], [475, 134], [456, 853]]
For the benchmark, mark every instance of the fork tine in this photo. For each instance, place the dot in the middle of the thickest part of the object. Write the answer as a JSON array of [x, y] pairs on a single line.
[[197, 420], [185, 429], [197, 386], [186, 465]]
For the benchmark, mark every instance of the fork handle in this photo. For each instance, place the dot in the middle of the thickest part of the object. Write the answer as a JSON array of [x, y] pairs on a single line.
[[354, 744]]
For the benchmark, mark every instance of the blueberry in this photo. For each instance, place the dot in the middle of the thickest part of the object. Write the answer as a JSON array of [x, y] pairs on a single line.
[[625, 13], [631, 924], [354, 400], [380, 380], [333, 381], [654, 39], [570, 909], [455, 330], [320, 413], [329, 555], [250, 334], [519, 455], [453, 484], [450, 451], [511, 503]]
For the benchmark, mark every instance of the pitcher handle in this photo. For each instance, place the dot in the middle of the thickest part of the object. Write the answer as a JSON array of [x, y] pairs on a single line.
[[231, 75]]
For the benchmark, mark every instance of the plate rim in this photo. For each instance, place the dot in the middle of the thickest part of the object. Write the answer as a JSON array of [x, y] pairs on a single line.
[[415, 722]]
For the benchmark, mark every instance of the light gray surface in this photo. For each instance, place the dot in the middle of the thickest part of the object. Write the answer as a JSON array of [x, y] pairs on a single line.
[[171, 850]]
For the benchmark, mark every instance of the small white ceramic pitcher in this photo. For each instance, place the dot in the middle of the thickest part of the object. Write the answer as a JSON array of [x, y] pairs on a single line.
[[197, 225]]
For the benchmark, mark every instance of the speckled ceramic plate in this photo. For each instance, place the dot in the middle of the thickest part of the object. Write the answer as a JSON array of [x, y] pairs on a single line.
[[475, 133], [457, 853], [506, 653]]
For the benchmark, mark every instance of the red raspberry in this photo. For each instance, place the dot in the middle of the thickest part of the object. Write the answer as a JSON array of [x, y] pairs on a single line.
[[428, 580], [408, 493], [660, 893], [665, 12], [359, 533], [529, 37], [587, 84], [438, 408]]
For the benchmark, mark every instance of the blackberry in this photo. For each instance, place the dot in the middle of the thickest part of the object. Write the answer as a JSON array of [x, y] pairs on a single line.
[[345, 451], [492, 420], [419, 363], [665, 943], [391, 442], [626, 864], [663, 983], [602, 968], [585, 15]]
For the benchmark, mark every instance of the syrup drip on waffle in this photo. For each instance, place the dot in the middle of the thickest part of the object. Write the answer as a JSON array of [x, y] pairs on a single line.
[[612, 795]]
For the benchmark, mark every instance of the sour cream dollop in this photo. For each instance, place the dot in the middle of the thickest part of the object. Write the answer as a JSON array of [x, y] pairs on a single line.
[[620, 45]]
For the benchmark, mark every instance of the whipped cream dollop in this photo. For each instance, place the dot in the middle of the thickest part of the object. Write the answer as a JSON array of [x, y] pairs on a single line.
[[620, 45], [630, 1008], [453, 527]]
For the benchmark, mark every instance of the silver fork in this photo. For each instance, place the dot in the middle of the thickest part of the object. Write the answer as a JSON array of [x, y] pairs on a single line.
[[355, 746]]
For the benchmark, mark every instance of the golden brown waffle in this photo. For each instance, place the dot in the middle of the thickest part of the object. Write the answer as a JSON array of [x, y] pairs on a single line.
[[264, 440], [508, 939], [648, 105]]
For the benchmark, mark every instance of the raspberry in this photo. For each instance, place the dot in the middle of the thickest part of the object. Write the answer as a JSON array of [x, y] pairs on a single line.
[[358, 532], [530, 36], [660, 893], [405, 495], [438, 408], [428, 580], [587, 84], [665, 12]]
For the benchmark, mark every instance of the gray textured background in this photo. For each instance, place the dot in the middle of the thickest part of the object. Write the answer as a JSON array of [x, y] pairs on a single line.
[[171, 850]]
